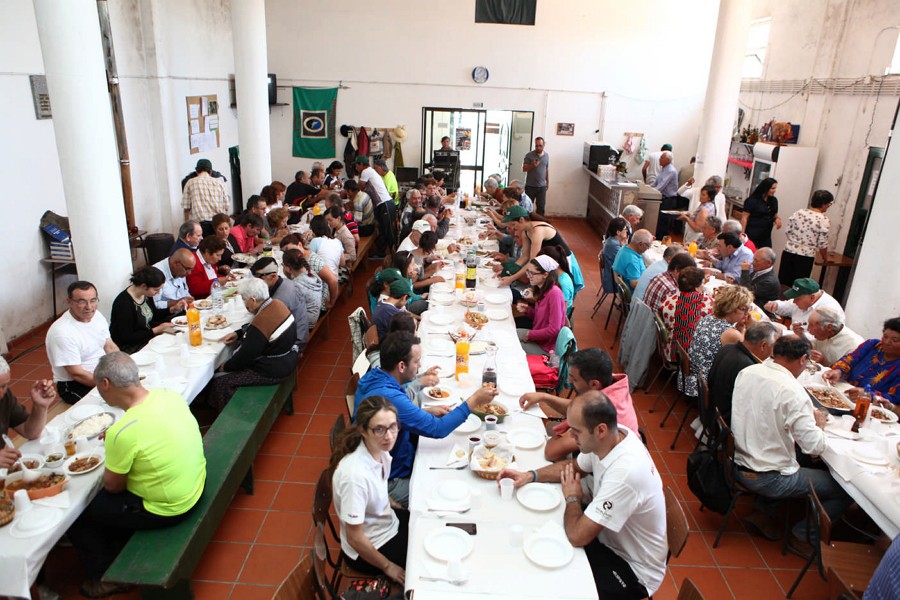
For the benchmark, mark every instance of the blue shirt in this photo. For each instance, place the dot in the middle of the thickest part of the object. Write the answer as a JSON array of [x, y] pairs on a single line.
[[732, 265], [651, 272], [885, 585], [526, 203], [667, 181], [413, 420], [568, 288], [629, 264]]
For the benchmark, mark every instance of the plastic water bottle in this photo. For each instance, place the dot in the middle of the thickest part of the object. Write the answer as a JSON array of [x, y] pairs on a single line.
[[215, 292]]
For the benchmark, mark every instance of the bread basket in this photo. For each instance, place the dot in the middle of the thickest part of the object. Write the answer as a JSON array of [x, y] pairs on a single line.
[[502, 451]]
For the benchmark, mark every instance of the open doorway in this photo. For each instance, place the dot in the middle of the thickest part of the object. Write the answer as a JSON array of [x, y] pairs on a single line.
[[486, 142]]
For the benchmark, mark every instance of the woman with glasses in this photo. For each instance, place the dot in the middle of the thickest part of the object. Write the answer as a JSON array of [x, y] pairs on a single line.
[[547, 310], [374, 529], [807, 235], [135, 319], [726, 325]]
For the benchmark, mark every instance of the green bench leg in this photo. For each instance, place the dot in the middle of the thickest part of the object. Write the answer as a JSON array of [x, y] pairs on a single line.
[[180, 591], [247, 483]]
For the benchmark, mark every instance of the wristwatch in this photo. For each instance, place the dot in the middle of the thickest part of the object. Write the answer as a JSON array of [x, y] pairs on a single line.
[[571, 499]]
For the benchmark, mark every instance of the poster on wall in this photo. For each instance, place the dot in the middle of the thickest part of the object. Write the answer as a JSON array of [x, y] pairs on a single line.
[[463, 138], [314, 110], [203, 123]]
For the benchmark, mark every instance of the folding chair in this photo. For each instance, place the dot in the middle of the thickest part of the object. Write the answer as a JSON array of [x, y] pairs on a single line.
[[600, 290]]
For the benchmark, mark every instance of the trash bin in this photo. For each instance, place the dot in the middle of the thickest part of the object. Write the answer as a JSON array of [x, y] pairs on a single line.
[[158, 245]]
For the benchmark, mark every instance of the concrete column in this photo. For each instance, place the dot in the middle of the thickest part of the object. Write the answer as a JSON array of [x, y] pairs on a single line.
[[722, 90], [69, 33], [248, 30]]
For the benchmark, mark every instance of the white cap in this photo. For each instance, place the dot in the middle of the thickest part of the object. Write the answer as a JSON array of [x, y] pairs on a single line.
[[421, 226]]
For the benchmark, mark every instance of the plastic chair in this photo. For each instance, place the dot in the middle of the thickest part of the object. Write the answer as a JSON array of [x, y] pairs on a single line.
[[350, 394], [684, 363], [600, 290], [677, 528], [622, 301], [707, 413], [300, 584], [566, 346]]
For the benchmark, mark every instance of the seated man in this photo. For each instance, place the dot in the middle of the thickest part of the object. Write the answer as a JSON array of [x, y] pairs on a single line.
[[770, 414], [632, 214], [731, 359], [731, 254], [666, 284], [802, 299], [411, 242], [832, 339], [589, 369], [362, 208], [655, 269], [629, 263], [734, 226], [155, 470], [413, 203], [623, 528], [76, 341], [759, 277], [14, 415], [400, 359], [174, 291], [292, 296], [440, 213], [189, 235]]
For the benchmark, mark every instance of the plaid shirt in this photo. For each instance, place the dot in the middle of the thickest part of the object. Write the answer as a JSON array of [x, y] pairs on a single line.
[[205, 196], [659, 287]]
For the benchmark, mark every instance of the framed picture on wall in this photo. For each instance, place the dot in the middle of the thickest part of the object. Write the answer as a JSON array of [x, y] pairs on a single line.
[[565, 129]]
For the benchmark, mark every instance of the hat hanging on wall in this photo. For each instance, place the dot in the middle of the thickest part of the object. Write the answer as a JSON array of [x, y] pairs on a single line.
[[345, 130], [399, 133]]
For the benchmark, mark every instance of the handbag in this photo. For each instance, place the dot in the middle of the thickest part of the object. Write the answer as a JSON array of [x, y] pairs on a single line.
[[706, 478]]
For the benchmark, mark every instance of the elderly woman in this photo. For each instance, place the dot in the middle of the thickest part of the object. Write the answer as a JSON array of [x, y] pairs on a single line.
[[208, 254], [726, 325], [548, 313], [135, 319], [616, 237], [876, 363], [680, 312], [374, 529], [708, 239], [264, 348], [277, 221], [807, 235]]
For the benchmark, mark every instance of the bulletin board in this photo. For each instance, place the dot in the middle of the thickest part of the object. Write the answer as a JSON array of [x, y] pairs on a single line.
[[203, 123]]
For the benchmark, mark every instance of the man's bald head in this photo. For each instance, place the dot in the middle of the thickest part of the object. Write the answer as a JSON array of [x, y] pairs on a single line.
[[182, 262]]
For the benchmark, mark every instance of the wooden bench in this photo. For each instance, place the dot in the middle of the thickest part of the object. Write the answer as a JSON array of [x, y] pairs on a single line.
[[362, 255], [161, 561]]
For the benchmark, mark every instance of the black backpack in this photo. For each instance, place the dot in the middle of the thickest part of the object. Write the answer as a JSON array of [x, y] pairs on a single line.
[[706, 477]]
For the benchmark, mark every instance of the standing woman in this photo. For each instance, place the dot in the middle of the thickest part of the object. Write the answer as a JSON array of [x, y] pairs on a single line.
[[548, 314], [616, 237], [761, 213], [374, 530], [131, 323], [696, 220], [807, 234], [535, 234]]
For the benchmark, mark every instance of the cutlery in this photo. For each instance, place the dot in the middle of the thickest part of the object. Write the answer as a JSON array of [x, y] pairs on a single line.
[[7, 441], [444, 579], [453, 510], [525, 412], [459, 468]]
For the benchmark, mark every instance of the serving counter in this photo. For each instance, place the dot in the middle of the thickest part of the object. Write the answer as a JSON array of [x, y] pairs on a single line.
[[606, 200]]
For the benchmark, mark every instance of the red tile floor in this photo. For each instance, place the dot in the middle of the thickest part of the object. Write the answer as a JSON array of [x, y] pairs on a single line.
[[263, 536]]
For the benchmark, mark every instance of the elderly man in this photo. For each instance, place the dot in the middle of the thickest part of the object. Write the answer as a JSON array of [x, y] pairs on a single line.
[[734, 226], [189, 235], [731, 254], [292, 296], [651, 166], [413, 203], [155, 470], [623, 528], [440, 213], [175, 289], [832, 338], [759, 276], [14, 415], [390, 180], [759, 339], [204, 196], [361, 205], [523, 198], [629, 261], [655, 269], [802, 299], [306, 188], [412, 240], [76, 341], [385, 211], [666, 284], [667, 185], [401, 354], [632, 215], [492, 190], [536, 166], [770, 415]]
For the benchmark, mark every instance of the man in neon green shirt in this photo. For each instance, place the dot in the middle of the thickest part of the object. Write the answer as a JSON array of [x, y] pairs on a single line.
[[390, 180], [155, 469]]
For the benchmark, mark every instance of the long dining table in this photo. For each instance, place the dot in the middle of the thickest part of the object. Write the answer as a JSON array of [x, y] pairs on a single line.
[[168, 361], [507, 558]]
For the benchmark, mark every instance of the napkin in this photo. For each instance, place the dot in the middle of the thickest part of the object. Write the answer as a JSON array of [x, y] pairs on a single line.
[[837, 428], [60, 500], [457, 456]]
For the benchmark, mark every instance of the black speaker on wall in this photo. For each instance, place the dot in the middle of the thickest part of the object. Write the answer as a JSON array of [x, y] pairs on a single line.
[[273, 89]]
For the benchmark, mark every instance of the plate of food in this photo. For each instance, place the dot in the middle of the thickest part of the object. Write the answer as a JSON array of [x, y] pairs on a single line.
[[29, 461], [49, 483], [436, 393], [884, 415], [216, 322], [491, 408], [673, 213], [82, 411], [204, 304], [448, 543], [488, 462], [476, 319], [93, 426], [180, 321], [538, 496], [240, 272], [243, 258], [471, 297], [830, 399], [83, 462]]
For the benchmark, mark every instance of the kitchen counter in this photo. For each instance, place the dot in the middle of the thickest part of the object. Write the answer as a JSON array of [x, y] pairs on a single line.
[[606, 199]]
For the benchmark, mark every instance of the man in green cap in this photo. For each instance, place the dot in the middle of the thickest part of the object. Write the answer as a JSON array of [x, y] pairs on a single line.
[[204, 196], [400, 291], [802, 299]]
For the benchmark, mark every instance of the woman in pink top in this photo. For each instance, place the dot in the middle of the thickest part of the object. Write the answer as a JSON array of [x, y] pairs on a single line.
[[549, 311]]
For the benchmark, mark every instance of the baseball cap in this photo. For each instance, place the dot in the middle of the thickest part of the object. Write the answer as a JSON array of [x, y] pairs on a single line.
[[388, 275], [515, 213], [361, 160], [204, 164], [802, 287], [421, 226], [401, 287]]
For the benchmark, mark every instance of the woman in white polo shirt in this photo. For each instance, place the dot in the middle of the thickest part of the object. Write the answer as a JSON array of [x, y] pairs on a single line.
[[373, 534]]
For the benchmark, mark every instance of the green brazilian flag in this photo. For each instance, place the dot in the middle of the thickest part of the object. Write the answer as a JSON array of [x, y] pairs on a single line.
[[314, 111]]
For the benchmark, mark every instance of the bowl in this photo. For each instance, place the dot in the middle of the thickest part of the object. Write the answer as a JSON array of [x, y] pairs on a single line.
[[36, 462], [837, 397], [488, 409], [59, 457], [13, 484]]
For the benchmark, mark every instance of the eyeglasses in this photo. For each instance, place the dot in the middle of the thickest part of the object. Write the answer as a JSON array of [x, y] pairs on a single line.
[[744, 308], [530, 273], [83, 303], [381, 430]]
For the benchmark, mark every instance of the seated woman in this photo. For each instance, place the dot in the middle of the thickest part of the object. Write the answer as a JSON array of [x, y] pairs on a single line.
[[403, 262], [222, 229], [323, 244], [616, 238], [876, 363], [208, 254], [265, 352], [277, 221], [246, 234], [374, 529], [696, 220], [298, 270], [726, 325], [680, 312], [131, 323], [549, 311], [563, 276]]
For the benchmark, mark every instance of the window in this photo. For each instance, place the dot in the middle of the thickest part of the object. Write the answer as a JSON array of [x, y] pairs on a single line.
[[895, 62], [757, 44]]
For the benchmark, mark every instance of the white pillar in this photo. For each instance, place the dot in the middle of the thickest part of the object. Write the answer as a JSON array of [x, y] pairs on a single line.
[[69, 33], [722, 90], [248, 30]]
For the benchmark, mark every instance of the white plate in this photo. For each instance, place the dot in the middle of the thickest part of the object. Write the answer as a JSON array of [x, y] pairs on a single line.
[[442, 287], [34, 522], [442, 299], [163, 343], [870, 456], [526, 439], [37, 457], [144, 359], [452, 491], [82, 455], [497, 298], [538, 496], [479, 347], [427, 397], [449, 543], [81, 412], [440, 347], [496, 314], [547, 551], [247, 259], [204, 304], [470, 425], [440, 318], [890, 416]]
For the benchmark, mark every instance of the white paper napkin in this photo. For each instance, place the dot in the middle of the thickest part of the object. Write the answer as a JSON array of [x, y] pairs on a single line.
[[457, 456], [60, 500]]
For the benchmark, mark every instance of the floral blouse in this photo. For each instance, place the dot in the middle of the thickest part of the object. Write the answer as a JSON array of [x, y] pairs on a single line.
[[867, 366], [807, 231], [680, 314], [704, 347]]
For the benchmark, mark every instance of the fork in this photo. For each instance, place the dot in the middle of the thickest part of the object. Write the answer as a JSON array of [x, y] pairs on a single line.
[[452, 510], [459, 468], [444, 579]]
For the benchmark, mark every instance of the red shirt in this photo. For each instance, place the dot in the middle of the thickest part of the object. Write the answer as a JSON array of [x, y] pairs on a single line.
[[245, 243], [200, 279]]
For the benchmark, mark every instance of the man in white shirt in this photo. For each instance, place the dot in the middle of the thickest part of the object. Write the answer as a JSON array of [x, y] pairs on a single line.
[[623, 528], [385, 211], [833, 339], [175, 289], [804, 297], [76, 341], [771, 412], [412, 240]]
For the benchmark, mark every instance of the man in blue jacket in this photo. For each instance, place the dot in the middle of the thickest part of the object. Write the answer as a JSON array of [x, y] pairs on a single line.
[[401, 355]]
